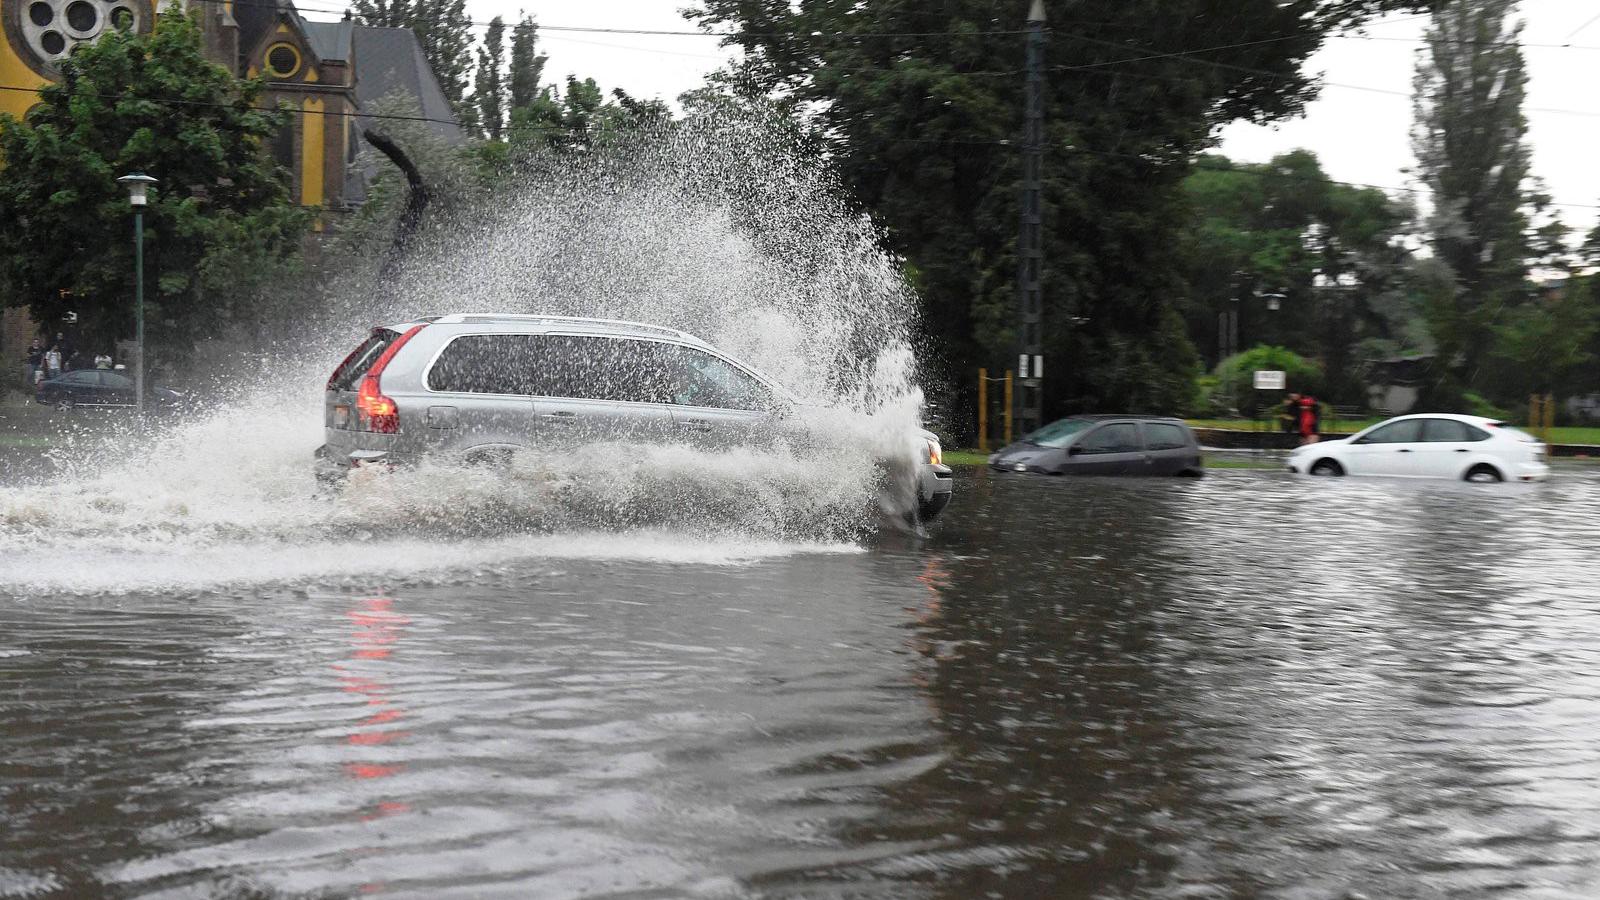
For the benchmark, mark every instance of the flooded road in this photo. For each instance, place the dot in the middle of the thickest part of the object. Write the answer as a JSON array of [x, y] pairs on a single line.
[[1248, 685]]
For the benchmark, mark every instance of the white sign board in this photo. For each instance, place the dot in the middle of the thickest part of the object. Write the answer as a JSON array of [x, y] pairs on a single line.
[[1268, 380]]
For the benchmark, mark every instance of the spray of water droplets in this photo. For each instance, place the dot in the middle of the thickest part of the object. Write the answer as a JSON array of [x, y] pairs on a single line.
[[722, 231]]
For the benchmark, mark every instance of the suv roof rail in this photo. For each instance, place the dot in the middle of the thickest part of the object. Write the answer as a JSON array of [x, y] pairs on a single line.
[[462, 318]]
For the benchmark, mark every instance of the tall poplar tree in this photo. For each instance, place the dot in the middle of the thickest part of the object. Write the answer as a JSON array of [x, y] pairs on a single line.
[[527, 64], [488, 86], [1471, 153]]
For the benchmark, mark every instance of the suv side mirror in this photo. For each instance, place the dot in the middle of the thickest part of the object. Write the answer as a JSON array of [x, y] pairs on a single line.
[[1074, 450]]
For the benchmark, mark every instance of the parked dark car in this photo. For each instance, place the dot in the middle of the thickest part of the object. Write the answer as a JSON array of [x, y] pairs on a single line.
[[100, 387], [1105, 445]]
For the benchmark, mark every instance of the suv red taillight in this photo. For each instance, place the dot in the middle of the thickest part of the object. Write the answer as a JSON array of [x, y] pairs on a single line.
[[374, 411]]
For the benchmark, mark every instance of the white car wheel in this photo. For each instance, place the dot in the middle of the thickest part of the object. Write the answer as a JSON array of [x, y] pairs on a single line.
[[1326, 468], [1484, 474]]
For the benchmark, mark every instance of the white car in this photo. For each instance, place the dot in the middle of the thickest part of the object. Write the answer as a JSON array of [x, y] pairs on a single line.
[[1437, 445]]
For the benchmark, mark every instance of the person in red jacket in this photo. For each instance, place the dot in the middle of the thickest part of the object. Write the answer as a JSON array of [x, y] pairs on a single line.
[[1308, 419]]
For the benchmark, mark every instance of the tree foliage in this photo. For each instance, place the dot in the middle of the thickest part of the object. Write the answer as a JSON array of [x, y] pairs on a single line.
[[1469, 140], [527, 63], [1332, 252], [922, 106], [488, 87], [1235, 376], [220, 222]]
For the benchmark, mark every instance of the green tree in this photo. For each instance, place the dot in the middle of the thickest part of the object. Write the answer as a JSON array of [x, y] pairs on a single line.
[[488, 90], [444, 30], [527, 63], [1471, 153], [922, 107], [220, 223], [1235, 377], [1332, 252], [580, 117], [1547, 346]]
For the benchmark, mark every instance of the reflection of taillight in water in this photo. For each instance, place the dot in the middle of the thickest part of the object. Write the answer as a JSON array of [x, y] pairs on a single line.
[[378, 629], [374, 411]]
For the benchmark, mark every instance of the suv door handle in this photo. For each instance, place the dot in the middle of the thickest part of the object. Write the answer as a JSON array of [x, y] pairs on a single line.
[[1403, 450], [695, 425], [564, 418], [1462, 450]]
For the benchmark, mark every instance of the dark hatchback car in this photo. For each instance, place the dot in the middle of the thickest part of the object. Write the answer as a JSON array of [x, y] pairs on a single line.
[[1105, 445], [100, 387]]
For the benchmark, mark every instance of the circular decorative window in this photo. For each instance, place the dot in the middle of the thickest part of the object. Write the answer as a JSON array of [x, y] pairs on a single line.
[[43, 32], [283, 60]]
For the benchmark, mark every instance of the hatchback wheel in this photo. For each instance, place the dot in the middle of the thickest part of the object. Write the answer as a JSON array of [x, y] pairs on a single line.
[[1484, 474], [65, 403], [1326, 468]]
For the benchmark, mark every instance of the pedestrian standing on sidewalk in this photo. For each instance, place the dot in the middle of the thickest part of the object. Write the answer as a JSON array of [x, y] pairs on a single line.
[[1289, 415], [35, 362], [52, 361]]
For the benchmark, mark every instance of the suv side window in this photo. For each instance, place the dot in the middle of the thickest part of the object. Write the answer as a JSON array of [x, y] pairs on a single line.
[[1165, 436], [700, 379], [586, 367], [486, 364], [1118, 437]]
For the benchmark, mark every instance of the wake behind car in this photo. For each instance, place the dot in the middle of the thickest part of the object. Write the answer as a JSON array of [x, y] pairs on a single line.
[[1105, 445], [1436, 445], [479, 387]]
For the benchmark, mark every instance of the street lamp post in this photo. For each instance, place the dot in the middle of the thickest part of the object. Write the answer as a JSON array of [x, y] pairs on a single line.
[[138, 185]]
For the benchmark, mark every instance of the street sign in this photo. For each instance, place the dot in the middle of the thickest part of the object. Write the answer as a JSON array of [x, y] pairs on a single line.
[[1269, 380]]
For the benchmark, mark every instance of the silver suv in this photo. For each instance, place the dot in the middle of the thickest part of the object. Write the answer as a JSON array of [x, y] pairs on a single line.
[[480, 387]]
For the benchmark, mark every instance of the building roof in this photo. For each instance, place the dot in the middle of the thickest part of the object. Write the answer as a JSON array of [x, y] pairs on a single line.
[[390, 61], [331, 41]]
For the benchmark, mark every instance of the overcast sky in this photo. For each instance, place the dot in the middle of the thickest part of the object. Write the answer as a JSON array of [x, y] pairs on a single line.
[[1360, 135]]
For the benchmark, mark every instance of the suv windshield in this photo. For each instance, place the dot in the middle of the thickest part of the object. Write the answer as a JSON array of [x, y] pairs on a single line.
[[1057, 433]]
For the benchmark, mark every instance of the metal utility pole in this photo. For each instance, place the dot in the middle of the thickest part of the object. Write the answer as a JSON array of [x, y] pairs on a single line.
[[1030, 253], [138, 185]]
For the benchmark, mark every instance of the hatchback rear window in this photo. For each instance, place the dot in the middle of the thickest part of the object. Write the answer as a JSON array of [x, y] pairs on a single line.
[[1162, 436], [361, 359]]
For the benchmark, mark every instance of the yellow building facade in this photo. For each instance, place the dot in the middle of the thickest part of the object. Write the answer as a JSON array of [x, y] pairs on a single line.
[[309, 68]]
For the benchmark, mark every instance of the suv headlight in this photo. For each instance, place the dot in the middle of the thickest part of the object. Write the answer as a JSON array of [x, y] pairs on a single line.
[[934, 454]]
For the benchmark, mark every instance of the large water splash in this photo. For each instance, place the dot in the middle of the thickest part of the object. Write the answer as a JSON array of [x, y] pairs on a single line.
[[720, 231]]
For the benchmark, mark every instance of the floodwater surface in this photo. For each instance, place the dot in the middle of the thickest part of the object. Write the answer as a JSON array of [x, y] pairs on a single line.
[[1247, 685]]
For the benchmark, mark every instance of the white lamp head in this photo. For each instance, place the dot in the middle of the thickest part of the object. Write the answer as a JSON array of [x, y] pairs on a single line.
[[138, 185]]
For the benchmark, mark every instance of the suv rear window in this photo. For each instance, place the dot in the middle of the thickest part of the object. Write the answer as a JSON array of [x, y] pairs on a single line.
[[361, 359]]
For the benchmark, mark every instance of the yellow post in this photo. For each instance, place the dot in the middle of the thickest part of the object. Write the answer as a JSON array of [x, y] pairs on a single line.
[[983, 410], [1008, 406]]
